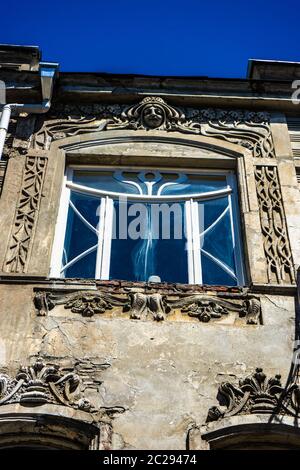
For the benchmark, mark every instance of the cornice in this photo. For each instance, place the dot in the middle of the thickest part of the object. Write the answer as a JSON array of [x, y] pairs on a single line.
[[24, 86]]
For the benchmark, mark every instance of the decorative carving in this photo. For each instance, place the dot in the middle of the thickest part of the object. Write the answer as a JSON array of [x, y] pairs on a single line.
[[256, 394], [154, 113], [41, 383], [276, 242], [86, 303], [246, 128], [252, 307], [90, 303], [206, 308], [143, 306], [26, 215], [60, 129]]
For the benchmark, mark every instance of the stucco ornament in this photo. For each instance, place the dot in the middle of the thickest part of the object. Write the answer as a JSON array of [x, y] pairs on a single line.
[[26, 214], [83, 302], [153, 116], [206, 308], [274, 228], [42, 383], [256, 394], [142, 305], [154, 113], [153, 306], [242, 127]]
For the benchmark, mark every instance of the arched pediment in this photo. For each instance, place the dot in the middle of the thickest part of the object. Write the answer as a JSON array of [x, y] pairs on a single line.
[[153, 114], [158, 147]]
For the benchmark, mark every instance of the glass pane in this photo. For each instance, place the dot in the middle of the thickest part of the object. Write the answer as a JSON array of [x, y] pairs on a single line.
[[151, 240], [80, 236], [213, 275], [88, 206], [216, 242], [104, 180], [149, 182], [194, 184], [84, 268], [151, 243]]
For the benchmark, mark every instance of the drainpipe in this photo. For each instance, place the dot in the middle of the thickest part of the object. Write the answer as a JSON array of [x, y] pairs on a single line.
[[47, 73]]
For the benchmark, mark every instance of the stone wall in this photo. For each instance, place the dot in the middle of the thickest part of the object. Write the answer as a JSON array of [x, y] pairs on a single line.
[[149, 358]]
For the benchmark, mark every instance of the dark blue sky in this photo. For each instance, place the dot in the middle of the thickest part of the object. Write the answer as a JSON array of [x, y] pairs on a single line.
[[187, 37]]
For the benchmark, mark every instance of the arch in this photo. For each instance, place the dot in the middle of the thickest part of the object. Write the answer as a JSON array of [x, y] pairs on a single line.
[[93, 144], [47, 427], [114, 147], [247, 432]]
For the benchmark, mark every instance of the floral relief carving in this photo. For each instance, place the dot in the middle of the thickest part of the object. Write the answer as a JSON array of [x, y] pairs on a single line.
[[85, 303], [206, 308], [276, 242], [88, 305], [246, 128], [256, 394], [155, 306], [26, 214]]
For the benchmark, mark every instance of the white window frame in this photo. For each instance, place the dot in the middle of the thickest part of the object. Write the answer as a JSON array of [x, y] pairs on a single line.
[[106, 199]]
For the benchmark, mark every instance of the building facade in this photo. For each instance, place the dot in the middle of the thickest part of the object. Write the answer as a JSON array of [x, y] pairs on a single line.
[[149, 255]]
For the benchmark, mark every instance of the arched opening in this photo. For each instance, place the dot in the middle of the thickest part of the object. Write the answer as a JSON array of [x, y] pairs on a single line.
[[144, 151], [36, 430], [248, 432]]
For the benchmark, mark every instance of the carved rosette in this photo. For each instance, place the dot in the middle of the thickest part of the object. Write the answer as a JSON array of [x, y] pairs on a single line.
[[276, 242], [246, 128], [26, 215], [155, 306], [256, 394]]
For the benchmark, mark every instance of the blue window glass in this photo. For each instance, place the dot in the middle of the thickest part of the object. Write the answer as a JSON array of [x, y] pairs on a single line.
[[81, 236], [158, 251], [216, 242], [143, 224]]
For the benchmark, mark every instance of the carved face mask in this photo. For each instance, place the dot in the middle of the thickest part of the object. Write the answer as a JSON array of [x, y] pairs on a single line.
[[153, 116]]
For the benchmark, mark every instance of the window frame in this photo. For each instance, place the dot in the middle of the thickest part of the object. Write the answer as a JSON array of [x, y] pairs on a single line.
[[103, 254]]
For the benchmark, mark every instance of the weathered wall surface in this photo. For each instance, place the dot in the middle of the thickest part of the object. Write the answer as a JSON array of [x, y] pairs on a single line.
[[163, 374]]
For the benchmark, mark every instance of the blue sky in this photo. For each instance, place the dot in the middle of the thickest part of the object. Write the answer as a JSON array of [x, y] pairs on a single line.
[[189, 37]]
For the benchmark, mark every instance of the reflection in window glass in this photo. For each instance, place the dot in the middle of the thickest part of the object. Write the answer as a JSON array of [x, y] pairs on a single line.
[[135, 224]]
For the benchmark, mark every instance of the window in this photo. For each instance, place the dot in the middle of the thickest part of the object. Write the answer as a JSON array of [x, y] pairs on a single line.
[[142, 225]]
